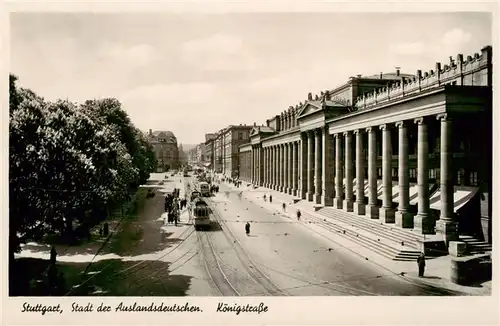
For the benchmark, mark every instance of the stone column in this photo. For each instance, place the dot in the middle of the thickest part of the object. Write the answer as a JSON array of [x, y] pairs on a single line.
[[371, 208], [386, 213], [256, 165], [278, 160], [295, 166], [261, 166], [303, 166], [447, 224], [252, 167], [348, 202], [278, 167], [318, 169], [282, 168], [273, 167], [268, 167], [422, 221], [403, 217], [256, 149], [286, 185], [339, 178], [310, 166], [264, 167], [359, 205], [290, 167], [327, 164]]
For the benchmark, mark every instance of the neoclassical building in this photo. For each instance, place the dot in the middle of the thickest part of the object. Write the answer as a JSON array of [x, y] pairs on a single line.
[[165, 147], [414, 150]]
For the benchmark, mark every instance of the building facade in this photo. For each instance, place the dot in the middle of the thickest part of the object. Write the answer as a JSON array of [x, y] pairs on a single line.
[[209, 150], [413, 150], [165, 147], [232, 137]]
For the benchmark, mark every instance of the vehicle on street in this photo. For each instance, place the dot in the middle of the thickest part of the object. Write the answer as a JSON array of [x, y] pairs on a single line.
[[200, 212], [204, 189], [195, 194]]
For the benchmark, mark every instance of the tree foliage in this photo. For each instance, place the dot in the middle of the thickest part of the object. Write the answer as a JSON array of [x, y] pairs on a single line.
[[67, 159]]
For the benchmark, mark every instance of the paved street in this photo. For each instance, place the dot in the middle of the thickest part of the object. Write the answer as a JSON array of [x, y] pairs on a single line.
[[294, 259], [280, 257]]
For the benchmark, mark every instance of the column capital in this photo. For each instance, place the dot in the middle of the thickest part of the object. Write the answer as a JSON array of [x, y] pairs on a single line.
[[401, 124], [443, 117], [358, 131], [318, 131], [420, 121], [385, 126], [370, 129], [346, 133], [337, 135]]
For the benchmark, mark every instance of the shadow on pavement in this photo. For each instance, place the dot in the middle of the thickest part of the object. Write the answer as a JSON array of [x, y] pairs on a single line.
[[141, 278]]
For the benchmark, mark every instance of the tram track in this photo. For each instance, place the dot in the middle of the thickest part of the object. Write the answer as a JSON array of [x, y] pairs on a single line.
[[222, 273], [250, 266], [214, 269]]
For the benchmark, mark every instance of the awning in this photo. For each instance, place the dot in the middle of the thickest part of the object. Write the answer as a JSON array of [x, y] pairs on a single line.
[[395, 191], [461, 196]]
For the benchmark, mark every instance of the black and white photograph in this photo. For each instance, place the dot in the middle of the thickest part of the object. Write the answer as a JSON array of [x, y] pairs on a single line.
[[250, 154]]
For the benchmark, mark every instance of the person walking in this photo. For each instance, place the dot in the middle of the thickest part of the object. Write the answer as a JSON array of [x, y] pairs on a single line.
[[284, 207], [264, 197], [421, 265], [298, 215], [247, 228], [271, 199]]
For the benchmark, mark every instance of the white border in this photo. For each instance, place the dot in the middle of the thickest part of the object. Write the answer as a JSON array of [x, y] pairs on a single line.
[[295, 310]]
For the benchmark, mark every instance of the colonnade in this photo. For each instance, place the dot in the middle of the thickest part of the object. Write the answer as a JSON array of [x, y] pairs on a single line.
[[319, 168]]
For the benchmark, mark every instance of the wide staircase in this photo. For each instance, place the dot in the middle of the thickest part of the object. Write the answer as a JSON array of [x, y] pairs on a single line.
[[475, 246]]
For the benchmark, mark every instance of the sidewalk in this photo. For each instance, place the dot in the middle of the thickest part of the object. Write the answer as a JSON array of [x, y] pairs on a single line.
[[438, 270]]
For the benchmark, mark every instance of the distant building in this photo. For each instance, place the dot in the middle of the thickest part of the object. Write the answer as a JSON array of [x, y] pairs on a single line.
[[165, 147], [208, 150], [226, 148]]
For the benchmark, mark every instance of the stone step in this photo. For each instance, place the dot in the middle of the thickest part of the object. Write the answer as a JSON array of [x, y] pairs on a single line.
[[390, 233], [376, 223], [374, 245]]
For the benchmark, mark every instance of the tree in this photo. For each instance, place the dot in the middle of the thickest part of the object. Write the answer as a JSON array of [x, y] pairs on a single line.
[[66, 160]]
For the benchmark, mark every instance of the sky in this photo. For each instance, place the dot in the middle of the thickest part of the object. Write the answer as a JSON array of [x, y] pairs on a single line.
[[194, 74]]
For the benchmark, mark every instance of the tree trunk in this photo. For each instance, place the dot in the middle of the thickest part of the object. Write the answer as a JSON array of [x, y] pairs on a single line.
[[69, 229]]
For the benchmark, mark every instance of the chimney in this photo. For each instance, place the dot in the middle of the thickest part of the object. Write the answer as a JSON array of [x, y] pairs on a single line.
[[381, 74], [310, 96], [398, 71], [150, 131], [254, 124]]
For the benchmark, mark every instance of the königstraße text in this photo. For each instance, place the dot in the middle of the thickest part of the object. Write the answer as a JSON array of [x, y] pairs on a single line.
[[236, 308]]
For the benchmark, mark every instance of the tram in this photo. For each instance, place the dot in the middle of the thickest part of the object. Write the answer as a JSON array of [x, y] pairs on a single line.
[[200, 213]]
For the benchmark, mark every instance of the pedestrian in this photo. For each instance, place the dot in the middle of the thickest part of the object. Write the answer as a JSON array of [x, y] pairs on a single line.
[[284, 207], [53, 255], [247, 228], [421, 265], [271, 199], [298, 215], [264, 197]]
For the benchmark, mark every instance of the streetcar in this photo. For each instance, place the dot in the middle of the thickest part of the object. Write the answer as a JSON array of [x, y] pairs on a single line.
[[200, 212], [204, 189]]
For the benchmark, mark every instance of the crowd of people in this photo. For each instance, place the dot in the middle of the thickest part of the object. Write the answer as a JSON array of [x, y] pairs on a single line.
[[173, 205]]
